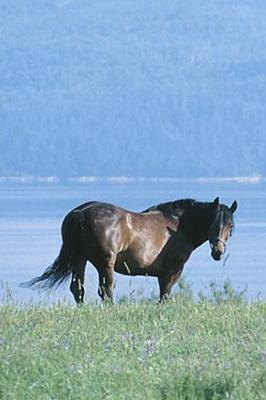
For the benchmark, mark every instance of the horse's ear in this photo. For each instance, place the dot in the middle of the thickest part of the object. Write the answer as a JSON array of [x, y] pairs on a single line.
[[233, 207], [216, 203]]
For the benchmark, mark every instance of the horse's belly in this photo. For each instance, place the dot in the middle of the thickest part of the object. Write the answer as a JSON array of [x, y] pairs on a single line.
[[127, 265]]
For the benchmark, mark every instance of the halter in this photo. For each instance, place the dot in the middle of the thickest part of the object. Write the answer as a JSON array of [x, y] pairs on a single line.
[[216, 238]]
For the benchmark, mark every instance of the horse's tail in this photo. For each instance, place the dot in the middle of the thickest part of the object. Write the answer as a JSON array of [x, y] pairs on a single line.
[[62, 267]]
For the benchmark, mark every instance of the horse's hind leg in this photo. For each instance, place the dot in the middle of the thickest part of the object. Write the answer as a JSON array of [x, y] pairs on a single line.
[[77, 282], [106, 278]]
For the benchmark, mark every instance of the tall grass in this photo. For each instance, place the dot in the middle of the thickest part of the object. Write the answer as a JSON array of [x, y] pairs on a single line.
[[183, 349]]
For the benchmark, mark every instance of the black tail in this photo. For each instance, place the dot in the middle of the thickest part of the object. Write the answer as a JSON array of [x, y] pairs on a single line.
[[62, 267], [55, 274]]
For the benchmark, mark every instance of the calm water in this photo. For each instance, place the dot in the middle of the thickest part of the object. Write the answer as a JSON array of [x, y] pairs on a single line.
[[31, 216]]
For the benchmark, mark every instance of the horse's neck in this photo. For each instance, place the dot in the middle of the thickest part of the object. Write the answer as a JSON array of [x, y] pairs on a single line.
[[195, 226]]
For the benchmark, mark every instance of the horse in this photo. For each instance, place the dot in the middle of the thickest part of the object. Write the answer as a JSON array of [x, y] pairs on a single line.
[[155, 242]]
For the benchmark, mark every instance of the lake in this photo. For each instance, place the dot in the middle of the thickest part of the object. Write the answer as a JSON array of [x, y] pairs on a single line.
[[31, 213]]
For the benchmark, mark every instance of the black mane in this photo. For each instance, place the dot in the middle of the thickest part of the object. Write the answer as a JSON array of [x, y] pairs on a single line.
[[176, 208], [173, 209]]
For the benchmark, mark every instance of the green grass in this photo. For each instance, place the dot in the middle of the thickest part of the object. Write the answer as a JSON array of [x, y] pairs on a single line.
[[183, 349]]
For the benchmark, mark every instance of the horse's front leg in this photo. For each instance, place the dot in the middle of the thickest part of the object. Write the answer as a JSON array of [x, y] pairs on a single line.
[[166, 282]]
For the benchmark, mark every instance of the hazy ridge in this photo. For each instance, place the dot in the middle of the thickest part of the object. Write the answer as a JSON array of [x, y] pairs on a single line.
[[120, 88]]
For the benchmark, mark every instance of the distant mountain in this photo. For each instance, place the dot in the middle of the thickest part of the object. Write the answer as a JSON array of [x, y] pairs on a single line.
[[133, 88]]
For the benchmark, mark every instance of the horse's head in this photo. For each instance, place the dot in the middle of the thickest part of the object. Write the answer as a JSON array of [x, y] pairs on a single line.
[[221, 227]]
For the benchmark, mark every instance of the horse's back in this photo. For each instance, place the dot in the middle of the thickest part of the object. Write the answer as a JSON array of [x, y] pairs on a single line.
[[99, 212], [112, 226]]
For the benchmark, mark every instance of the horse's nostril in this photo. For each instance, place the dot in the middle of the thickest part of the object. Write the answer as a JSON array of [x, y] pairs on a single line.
[[218, 245], [216, 255]]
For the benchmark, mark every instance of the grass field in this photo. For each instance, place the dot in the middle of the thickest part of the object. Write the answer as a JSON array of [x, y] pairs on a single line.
[[183, 349]]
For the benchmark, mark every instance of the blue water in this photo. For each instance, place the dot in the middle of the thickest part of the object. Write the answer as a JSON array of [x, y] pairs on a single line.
[[31, 216]]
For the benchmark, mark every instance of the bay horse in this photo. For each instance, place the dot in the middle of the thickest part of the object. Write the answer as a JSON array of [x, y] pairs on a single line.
[[155, 242]]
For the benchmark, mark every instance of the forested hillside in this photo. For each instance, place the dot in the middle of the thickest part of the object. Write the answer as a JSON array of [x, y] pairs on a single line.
[[119, 87]]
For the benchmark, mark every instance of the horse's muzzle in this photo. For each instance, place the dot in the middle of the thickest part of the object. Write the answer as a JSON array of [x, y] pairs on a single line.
[[218, 247], [216, 254]]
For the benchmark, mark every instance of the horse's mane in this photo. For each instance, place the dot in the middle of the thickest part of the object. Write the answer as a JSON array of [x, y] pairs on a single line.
[[175, 208]]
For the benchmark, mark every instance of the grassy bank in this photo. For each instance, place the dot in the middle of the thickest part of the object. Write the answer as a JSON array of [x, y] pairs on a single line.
[[179, 350]]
